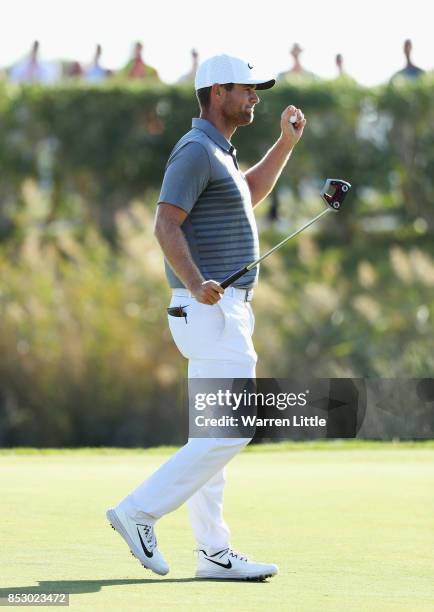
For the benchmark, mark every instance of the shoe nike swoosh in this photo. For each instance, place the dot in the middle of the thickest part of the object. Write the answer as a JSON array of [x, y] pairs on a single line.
[[227, 565], [147, 552]]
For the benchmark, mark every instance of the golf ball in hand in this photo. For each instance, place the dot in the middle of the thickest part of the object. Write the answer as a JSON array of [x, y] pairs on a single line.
[[293, 119]]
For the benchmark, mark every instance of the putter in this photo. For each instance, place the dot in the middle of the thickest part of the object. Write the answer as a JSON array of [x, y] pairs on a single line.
[[334, 202]]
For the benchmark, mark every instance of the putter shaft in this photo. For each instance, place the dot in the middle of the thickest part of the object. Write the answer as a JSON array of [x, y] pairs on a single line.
[[239, 273], [334, 204], [285, 240]]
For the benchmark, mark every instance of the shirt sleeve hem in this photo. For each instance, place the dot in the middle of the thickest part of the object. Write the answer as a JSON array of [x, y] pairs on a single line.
[[183, 207]]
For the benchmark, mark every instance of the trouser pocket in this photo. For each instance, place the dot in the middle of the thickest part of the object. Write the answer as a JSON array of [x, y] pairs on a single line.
[[197, 330]]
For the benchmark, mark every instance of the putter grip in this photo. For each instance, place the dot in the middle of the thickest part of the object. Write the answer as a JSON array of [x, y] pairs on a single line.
[[233, 277]]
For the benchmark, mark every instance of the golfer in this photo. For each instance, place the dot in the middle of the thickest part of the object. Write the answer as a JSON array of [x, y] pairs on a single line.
[[206, 228]]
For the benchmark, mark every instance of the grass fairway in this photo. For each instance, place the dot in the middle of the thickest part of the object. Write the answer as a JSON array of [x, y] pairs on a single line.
[[350, 525]]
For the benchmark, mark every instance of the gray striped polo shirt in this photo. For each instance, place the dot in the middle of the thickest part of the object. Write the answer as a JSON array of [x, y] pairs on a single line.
[[202, 177]]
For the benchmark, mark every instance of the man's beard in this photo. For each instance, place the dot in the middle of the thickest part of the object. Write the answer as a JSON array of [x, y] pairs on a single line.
[[238, 118]]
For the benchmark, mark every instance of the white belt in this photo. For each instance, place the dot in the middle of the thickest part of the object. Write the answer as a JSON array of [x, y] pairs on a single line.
[[245, 295]]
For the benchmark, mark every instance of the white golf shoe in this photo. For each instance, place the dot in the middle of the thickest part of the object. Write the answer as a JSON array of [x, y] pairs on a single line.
[[140, 538], [230, 565]]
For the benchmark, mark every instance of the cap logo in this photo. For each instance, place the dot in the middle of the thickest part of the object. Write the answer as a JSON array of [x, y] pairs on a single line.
[[251, 67]]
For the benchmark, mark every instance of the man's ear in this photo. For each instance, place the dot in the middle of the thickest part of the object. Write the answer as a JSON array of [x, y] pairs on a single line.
[[217, 89]]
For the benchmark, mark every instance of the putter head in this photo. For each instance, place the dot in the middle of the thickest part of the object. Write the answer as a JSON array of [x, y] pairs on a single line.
[[341, 189]]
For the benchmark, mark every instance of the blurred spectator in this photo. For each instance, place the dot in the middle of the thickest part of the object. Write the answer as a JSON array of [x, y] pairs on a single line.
[[136, 68], [191, 74], [95, 73], [297, 72], [340, 64], [410, 71], [32, 70], [74, 70], [342, 74]]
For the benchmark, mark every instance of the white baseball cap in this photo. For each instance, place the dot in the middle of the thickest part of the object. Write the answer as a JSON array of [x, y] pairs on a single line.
[[222, 69]]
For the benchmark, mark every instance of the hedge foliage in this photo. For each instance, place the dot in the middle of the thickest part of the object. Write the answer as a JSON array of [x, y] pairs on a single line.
[[86, 357], [109, 143]]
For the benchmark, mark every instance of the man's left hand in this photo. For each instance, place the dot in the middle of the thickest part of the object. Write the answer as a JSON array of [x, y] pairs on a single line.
[[292, 132]]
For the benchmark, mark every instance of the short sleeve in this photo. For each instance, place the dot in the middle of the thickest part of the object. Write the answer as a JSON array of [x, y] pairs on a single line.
[[187, 175]]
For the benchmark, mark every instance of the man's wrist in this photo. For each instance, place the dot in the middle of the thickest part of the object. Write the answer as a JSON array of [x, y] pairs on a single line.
[[195, 285], [285, 144]]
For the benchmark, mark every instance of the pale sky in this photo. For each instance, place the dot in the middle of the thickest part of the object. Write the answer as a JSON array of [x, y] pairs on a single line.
[[369, 34]]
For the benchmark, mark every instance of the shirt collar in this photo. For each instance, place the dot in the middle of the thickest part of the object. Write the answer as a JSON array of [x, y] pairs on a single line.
[[213, 133]]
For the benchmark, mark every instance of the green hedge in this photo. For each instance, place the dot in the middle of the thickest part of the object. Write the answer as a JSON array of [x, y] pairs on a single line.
[[109, 143], [86, 357]]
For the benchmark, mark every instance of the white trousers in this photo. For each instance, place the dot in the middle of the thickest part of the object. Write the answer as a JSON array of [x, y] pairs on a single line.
[[217, 341]]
